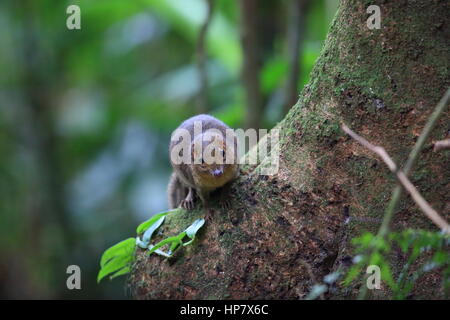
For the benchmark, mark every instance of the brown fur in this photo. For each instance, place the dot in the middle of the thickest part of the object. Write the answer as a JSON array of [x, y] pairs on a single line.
[[189, 180]]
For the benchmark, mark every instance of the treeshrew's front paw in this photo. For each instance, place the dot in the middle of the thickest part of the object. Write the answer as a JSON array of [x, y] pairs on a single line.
[[225, 204], [187, 204]]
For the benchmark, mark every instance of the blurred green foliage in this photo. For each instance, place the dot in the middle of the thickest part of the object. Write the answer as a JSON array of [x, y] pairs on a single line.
[[86, 116], [425, 251]]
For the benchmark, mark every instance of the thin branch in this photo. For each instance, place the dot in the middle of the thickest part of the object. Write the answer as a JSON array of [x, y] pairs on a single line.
[[396, 195], [440, 145], [378, 150], [311, 275], [403, 179], [202, 98], [422, 203]]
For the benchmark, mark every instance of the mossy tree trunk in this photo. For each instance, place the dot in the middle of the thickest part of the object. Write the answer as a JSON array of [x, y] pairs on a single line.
[[382, 83]]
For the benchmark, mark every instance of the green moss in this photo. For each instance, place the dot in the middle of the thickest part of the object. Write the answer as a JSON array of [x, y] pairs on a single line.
[[183, 219], [422, 173]]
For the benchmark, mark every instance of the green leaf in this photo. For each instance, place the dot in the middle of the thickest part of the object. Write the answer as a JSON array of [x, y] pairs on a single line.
[[193, 228], [161, 253], [125, 247], [146, 224], [148, 234], [121, 272], [376, 259], [331, 277], [363, 241], [176, 244], [141, 244], [352, 274], [441, 257], [114, 265], [175, 239], [316, 291], [386, 275], [116, 258]]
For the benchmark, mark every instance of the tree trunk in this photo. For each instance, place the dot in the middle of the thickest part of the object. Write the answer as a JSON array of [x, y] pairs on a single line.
[[252, 60], [295, 38], [382, 83]]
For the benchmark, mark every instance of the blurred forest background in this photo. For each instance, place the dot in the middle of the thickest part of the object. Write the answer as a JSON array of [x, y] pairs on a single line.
[[86, 115]]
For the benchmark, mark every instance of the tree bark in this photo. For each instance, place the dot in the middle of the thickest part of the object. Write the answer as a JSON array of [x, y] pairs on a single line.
[[384, 84]]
